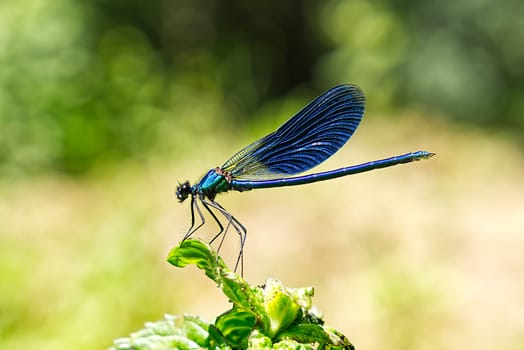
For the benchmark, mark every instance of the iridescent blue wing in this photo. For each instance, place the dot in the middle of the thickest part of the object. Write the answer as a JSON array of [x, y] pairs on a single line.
[[304, 141]]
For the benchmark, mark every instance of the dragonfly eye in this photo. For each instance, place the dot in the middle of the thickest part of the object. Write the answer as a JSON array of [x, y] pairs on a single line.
[[183, 191]]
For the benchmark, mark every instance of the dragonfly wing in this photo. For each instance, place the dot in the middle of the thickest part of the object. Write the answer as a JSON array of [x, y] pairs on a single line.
[[304, 141]]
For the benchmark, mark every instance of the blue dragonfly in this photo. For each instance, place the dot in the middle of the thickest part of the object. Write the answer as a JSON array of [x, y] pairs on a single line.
[[310, 137]]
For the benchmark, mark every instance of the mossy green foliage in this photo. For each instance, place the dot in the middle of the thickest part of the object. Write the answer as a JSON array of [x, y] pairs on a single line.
[[271, 316]]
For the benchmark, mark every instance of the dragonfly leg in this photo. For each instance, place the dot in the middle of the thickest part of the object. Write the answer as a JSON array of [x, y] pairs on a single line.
[[223, 236], [192, 228], [221, 231], [239, 228]]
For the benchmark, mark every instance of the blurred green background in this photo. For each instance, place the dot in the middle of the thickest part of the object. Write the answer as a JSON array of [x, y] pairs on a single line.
[[106, 104]]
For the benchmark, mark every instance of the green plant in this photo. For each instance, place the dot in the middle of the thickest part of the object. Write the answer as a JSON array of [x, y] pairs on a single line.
[[271, 316]]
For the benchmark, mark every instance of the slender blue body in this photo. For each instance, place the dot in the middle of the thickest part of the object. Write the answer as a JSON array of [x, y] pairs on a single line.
[[240, 185], [311, 136]]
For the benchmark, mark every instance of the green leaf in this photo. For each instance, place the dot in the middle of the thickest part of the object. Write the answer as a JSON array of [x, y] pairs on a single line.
[[196, 329], [282, 311], [236, 325], [192, 251], [306, 333], [174, 332]]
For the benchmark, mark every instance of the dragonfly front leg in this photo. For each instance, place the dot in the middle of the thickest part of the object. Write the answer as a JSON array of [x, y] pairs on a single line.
[[196, 207], [192, 228]]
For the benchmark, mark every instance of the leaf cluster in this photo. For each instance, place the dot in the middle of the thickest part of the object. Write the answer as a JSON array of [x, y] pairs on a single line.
[[270, 316]]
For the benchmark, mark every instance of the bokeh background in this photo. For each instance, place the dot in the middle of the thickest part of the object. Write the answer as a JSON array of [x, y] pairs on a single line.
[[106, 104]]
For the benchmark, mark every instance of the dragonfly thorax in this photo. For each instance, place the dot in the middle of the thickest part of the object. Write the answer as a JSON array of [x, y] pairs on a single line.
[[214, 182]]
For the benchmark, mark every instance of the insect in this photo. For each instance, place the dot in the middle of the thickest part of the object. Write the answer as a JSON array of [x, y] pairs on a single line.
[[311, 136]]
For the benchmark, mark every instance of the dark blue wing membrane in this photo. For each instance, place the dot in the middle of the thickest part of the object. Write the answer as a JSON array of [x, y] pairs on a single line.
[[304, 141]]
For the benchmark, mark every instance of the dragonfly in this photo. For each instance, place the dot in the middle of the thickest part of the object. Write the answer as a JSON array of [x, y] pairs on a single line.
[[307, 139]]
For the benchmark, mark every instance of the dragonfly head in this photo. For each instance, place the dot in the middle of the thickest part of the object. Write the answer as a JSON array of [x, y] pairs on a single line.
[[183, 191]]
